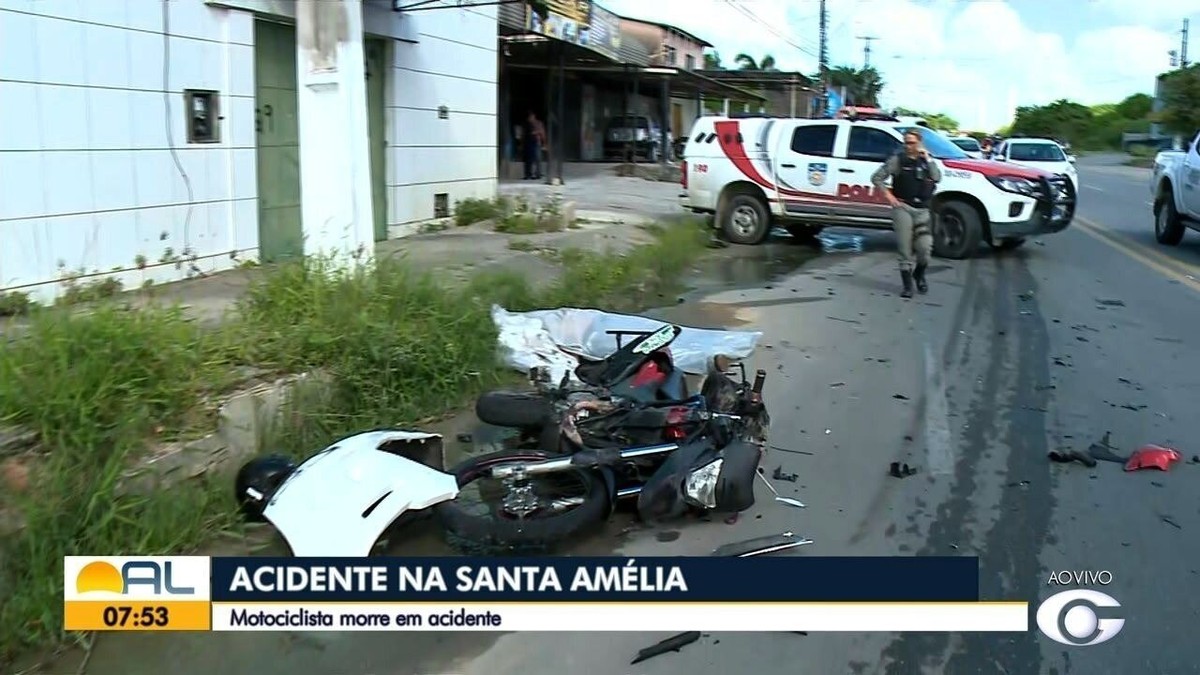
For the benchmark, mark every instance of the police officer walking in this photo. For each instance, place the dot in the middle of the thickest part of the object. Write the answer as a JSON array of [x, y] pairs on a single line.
[[914, 176]]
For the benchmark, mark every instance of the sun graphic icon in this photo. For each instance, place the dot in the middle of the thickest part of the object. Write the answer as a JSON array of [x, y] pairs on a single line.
[[99, 576]]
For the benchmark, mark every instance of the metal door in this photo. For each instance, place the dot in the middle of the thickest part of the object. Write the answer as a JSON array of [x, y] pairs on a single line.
[[280, 235], [376, 66]]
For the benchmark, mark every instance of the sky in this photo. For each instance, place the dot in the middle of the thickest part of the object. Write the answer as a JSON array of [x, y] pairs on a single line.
[[975, 60]]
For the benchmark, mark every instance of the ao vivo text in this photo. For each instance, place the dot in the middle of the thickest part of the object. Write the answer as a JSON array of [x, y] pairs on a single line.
[[1080, 578]]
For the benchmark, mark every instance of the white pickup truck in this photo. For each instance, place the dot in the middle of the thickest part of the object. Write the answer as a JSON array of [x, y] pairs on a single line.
[[806, 174], [1175, 189]]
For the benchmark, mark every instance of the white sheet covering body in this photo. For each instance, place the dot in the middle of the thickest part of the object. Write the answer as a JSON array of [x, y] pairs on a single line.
[[555, 338]]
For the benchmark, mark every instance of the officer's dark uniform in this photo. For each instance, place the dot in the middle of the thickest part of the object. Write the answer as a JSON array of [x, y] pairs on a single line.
[[913, 183]]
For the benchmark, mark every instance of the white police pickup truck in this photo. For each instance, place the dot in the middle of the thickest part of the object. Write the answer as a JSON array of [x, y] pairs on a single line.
[[806, 174], [1175, 189]]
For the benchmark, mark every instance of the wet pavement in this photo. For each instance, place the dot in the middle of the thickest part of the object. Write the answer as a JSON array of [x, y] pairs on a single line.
[[1008, 357]]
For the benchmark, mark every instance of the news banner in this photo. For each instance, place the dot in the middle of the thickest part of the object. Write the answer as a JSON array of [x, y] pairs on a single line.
[[193, 593]]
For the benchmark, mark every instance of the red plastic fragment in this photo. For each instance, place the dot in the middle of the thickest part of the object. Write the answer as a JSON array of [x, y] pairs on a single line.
[[1152, 457]]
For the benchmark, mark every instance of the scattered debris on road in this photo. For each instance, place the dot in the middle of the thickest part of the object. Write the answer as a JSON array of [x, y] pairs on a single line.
[[837, 384], [1019, 483], [900, 397], [898, 470], [786, 500], [844, 320], [1151, 456], [1068, 456], [760, 545], [798, 452], [1111, 303], [1170, 521], [671, 644], [1027, 295], [1103, 450], [787, 477]]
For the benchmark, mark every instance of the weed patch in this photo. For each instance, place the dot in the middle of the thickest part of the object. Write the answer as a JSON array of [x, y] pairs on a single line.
[[399, 348], [470, 211]]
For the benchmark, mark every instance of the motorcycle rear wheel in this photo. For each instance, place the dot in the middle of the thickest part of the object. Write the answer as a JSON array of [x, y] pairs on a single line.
[[500, 533], [515, 409]]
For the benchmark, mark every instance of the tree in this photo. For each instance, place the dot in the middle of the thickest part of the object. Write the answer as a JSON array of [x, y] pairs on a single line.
[[1095, 127], [863, 86], [712, 61], [747, 62], [1135, 107], [939, 121], [1062, 119], [1181, 100]]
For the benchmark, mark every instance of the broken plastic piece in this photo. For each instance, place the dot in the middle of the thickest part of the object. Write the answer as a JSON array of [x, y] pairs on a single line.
[[1152, 457], [760, 545], [898, 470], [1103, 451], [786, 500], [1067, 456], [788, 477], [671, 644]]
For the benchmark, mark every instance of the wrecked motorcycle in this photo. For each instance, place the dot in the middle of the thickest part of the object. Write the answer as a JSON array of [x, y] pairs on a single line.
[[531, 500], [641, 369], [341, 501]]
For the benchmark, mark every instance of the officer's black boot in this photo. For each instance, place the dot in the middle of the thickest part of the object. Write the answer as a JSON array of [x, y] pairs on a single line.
[[919, 277], [907, 277]]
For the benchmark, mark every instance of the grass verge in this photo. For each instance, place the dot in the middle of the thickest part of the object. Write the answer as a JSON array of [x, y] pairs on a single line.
[[101, 387]]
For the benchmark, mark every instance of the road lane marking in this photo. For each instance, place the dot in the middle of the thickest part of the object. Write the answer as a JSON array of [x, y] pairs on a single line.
[[1156, 261], [939, 455], [1093, 187]]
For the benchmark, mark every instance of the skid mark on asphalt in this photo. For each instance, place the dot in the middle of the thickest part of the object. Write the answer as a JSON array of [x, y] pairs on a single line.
[[939, 455]]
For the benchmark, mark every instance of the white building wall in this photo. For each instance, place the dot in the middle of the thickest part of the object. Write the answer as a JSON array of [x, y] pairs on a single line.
[[88, 179], [452, 64]]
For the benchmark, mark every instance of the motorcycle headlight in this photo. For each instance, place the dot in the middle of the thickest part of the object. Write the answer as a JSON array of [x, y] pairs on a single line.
[[701, 484], [1021, 186]]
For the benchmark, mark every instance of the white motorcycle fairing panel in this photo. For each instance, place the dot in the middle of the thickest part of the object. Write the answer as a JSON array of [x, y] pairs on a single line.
[[339, 501]]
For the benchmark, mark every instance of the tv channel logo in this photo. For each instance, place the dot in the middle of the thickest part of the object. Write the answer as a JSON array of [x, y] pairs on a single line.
[[1075, 618], [161, 577]]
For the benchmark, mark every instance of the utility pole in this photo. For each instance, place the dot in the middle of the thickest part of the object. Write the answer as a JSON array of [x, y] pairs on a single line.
[[867, 50], [1183, 59], [823, 57]]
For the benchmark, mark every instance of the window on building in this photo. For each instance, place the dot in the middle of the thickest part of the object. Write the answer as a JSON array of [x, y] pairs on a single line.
[[689, 62], [670, 56], [815, 139]]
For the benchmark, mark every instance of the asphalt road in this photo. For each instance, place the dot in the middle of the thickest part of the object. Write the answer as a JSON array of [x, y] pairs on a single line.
[[1010, 356]]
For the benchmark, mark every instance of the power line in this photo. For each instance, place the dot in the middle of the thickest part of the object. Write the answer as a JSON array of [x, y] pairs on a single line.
[[756, 19]]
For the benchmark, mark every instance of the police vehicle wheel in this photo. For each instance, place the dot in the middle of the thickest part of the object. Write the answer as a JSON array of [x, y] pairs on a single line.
[[957, 230], [745, 219], [1168, 226], [495, 531]]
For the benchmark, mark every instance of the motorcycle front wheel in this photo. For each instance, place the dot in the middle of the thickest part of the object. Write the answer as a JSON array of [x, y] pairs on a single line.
[[490, 517]]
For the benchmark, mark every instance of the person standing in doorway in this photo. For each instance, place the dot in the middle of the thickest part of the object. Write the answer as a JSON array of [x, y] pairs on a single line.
[[914, 178], [535, 138]]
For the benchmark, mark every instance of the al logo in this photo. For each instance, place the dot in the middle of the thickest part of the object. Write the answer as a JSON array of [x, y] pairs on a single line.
[[102, 576]]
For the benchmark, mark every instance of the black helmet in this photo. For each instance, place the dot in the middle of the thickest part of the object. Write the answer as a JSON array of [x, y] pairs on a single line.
[[256, 480]]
